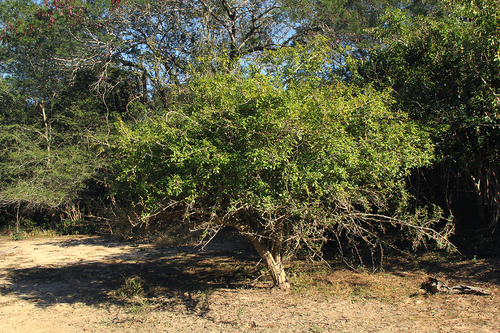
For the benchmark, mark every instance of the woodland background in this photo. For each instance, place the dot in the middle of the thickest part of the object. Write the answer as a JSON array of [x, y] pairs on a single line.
[[370, 125]]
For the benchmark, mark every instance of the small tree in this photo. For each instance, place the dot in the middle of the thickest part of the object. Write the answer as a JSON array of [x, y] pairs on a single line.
[[279, 150]]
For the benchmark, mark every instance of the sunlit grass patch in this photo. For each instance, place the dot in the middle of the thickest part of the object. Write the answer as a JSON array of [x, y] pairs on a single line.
[[341, 282]]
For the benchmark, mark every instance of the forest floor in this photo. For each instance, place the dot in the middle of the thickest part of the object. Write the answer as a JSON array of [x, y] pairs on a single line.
[[93, 284]]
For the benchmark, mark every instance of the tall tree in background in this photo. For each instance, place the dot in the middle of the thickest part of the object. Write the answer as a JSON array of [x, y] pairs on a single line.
[[159, 40], [50, 119], [445, 70], [348, 21]]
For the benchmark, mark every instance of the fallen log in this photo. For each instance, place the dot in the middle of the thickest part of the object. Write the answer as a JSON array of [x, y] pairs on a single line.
[[433, 286], [5, 252]]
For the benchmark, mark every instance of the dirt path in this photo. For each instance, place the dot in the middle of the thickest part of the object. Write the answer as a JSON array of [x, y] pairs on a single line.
[[90, 284]]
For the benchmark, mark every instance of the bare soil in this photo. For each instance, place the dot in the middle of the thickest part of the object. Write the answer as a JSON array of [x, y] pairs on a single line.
[[93, 284]]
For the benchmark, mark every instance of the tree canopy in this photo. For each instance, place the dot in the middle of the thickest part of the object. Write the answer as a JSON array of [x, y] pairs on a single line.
[[445, 70]]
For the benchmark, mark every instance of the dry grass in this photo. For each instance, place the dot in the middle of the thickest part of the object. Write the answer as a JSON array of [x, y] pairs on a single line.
[[399, 280], [344, 283]]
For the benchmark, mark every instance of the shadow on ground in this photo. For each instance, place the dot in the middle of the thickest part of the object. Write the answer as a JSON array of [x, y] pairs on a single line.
[[173, 277], [453, 268]]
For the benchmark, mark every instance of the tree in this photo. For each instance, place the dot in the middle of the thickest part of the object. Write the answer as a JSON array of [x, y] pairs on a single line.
[[348, 21], [445, 70], [159, 40], [50, 120], [280, 150]]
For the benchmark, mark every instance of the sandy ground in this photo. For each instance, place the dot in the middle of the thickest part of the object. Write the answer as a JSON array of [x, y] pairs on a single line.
[[86, 284]]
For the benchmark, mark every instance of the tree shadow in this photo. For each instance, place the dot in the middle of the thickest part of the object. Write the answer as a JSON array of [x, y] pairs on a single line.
[[87, 240], [174, 278], [453, 268]]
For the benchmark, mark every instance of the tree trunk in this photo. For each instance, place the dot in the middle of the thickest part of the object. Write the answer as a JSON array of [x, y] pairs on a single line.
[[273, 263], [271, 256], [144, 81], [17, 219], [486, 187], [47, 132]]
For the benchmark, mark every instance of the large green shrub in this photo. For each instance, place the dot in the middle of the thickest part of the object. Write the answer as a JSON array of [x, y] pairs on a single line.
[[278, 149]]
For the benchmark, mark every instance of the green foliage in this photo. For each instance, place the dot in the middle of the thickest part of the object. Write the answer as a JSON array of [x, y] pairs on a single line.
[[52, 116], [272, 148], [133, 286], [48, 161], [348, 22], [221, 120], [445, 70], [51, 119]]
